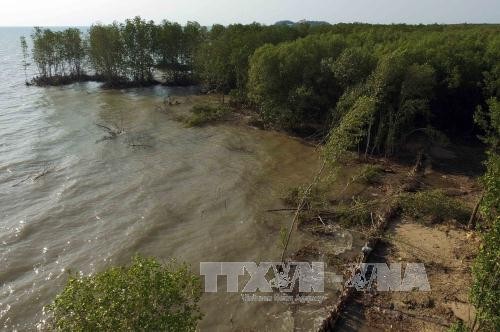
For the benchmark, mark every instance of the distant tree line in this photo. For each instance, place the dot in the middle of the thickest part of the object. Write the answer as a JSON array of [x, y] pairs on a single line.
[[383, 85], [129, 53], [120, 55], [406, 80]]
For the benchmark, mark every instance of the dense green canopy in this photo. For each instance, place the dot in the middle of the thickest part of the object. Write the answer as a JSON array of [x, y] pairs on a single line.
[[145, 296], [422, 80]]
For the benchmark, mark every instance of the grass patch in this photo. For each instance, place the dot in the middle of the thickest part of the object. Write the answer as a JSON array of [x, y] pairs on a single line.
[[283, 237], [358, 213], [369, 174], [317, 198], [206, 113], [433, 206], [458, 327]]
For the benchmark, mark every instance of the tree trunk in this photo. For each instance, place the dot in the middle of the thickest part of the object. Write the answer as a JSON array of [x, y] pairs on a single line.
[[368, 139], [472, 220]]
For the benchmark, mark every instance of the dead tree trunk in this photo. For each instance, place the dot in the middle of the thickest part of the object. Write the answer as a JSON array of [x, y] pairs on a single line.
[[472, 220]]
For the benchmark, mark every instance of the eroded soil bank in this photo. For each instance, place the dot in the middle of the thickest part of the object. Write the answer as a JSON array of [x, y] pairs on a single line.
[[431, 204]]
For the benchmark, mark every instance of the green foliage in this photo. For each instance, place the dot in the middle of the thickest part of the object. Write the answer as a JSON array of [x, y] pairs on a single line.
[[353, 66], [222, 61], [145, 296], [351, 130], [315, 199], [24, 50], [485, 288], [290, 83], [369, 174], [120, 54], [306, 76], [489, 121], [206, 113], [123, 52], [193, 35], [357, 213], [458, 327], [106, 51], [283, 237], [57, 53], [485, 291], [433, 206], [176, 48], [168, 46], [429, 77], [491, 181], [399, 98], [138, 45], [74, 50]]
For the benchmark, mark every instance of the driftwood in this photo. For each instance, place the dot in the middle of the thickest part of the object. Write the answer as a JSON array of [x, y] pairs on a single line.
[[168, 101], [140, 145], [36, 176], [472, 220], [281, 210], [112, 132], [431, 319], [374, 237], [41, 174]]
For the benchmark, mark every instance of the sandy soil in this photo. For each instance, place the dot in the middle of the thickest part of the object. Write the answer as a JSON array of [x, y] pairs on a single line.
[[447, 250]]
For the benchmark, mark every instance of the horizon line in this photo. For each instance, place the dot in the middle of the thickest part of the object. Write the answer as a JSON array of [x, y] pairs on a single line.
[[265, 24]]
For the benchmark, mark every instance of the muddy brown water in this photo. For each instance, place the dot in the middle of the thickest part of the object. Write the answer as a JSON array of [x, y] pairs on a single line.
[[70, 201]]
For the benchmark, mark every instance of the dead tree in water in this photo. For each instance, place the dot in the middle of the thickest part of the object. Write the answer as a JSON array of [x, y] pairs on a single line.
[[167, 102], [26, 64], [113, 132], [46, 169]]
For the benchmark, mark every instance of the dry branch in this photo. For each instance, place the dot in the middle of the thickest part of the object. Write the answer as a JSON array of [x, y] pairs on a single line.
[[374, 237], [299, 208]]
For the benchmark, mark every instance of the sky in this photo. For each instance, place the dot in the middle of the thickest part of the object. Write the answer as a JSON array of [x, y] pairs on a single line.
[[208, 12]]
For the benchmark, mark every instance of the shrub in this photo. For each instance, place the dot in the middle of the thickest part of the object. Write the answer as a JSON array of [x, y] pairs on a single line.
[[433, 206], [206, 113], [485, 288], [485, 292], [491, 181], [458, 327], [358, 213], [283, 237], [144, 296], [315, 200], [369, 174]]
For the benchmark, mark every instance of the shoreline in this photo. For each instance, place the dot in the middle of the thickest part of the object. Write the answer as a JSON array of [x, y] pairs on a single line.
[[395, 230]]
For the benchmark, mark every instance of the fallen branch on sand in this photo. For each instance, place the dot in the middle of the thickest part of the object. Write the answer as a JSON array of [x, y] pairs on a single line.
[[431, 319], [374, 237]]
